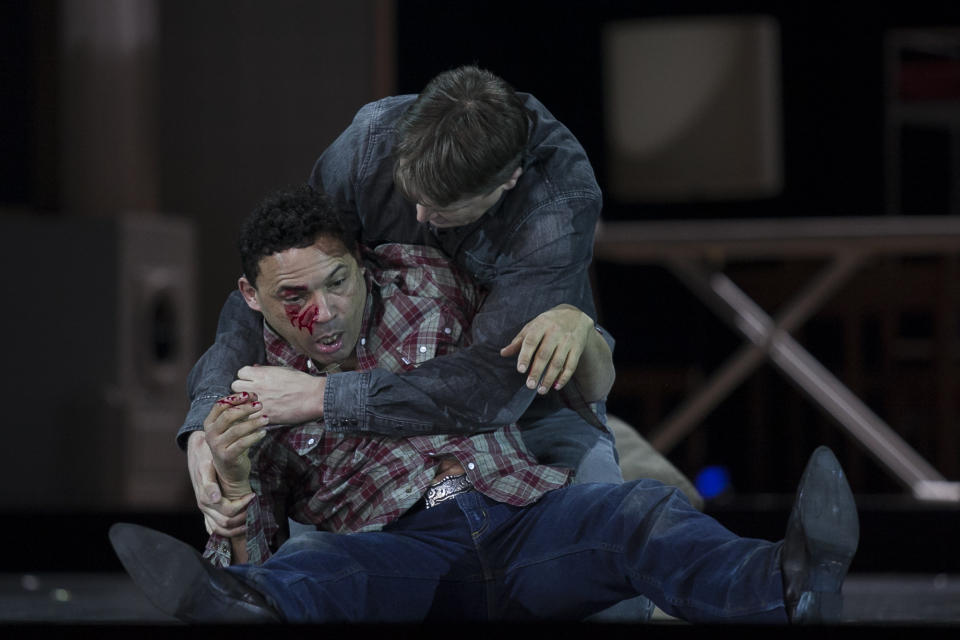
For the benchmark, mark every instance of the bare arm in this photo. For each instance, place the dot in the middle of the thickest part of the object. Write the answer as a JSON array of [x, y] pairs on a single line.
[[560, 345], [595, 374], [221, 515], [232, 427]]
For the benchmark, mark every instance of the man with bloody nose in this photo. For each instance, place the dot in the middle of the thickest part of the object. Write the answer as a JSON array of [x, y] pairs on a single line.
[[448, 527], [309, 295], [493, 180]]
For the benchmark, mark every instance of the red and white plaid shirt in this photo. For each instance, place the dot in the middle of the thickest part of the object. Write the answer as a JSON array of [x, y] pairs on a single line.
[[419, 305]]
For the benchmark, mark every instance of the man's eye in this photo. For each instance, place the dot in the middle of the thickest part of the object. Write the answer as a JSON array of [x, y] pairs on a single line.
[[338, 283]]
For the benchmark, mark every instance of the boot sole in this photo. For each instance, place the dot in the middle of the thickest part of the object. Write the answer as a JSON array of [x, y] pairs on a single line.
[[182, 585], [828, 517], [133, 543]]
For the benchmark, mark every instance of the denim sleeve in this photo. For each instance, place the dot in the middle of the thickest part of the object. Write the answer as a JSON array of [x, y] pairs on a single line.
[[474, 389], [346, 173], [239, 343], [337, 169]]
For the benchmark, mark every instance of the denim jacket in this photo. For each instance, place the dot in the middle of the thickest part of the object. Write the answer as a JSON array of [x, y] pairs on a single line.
[[531, 251]]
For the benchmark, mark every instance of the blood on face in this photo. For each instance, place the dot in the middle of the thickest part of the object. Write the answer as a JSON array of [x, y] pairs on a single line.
[[302, 318]]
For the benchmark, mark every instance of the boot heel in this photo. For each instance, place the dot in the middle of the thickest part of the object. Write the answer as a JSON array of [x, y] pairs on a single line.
[[819, 606]]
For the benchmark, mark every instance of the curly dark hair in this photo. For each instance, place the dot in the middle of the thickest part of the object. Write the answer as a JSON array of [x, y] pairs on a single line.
[[289, 218], [463, 136]]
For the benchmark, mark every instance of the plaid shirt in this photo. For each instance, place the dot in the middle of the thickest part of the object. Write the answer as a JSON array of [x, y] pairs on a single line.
[[418, 306]]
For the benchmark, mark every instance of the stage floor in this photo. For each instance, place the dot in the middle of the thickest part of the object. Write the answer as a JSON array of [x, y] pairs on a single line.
[[905, 576], [111, 598]]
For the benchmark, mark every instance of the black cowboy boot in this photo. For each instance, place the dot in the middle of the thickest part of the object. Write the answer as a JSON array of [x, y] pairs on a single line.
[[181, 583], [822, 536]]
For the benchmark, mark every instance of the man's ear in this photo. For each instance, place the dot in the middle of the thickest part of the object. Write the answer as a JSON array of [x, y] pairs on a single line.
[[512, 182], [249, 293]]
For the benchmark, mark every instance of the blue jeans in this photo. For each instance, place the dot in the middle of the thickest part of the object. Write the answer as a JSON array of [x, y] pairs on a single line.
[[553, 439], [575, 552]]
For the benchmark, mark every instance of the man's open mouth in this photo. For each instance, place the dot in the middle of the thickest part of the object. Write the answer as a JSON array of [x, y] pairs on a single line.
[[330, 343]]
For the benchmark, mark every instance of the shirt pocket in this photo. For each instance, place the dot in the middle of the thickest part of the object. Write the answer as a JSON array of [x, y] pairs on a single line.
[[437, 332]]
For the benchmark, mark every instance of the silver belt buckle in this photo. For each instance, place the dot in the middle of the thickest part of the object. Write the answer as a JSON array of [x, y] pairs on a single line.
[[446, 489]]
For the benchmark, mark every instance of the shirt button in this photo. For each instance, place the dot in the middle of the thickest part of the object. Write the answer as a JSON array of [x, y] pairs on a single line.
[[311, 441], [363, 341], [471, 466], [423, 349], [447, 330]]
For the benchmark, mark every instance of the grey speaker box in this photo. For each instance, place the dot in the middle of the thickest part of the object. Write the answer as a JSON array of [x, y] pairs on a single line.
[[99, 317], [693, 108]]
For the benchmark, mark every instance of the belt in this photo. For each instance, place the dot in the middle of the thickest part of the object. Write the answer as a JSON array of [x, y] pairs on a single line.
[[446, 489]]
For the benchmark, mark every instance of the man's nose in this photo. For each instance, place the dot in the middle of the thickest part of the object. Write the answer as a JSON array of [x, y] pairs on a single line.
[[424, 213], [324, 312]]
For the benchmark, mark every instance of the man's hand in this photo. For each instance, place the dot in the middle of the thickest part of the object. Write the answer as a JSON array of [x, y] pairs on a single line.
[[220, 515], [233, 425], [288, 396], [553, 342]]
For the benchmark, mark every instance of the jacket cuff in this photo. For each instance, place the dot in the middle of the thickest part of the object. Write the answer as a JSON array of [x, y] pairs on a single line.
[[345, 401]]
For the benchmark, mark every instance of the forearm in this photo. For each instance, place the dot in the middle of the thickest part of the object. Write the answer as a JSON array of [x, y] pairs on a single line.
[[265, 531], [238, 547], [595, 374], [238, 543], [236, 490], [252, 547]]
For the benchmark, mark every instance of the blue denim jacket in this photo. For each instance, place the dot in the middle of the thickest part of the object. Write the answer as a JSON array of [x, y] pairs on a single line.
[[532, 250]]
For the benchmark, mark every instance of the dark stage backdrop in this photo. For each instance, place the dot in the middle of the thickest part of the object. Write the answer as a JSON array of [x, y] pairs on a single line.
[[248, 93], [832, 112]]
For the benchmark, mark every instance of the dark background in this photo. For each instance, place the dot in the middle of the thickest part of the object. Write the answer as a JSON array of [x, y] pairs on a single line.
[[235, 98]]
